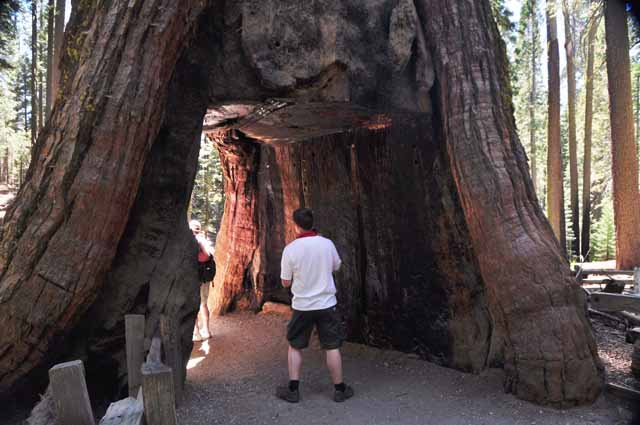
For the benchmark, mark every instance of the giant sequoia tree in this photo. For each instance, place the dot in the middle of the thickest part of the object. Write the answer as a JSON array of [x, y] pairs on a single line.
[[392, 120]]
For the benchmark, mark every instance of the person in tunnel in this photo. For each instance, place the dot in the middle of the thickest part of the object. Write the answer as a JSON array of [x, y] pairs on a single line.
[[307, 268], [206, 272]]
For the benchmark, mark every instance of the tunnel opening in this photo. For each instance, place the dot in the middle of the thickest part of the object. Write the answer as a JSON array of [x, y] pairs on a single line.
[[379, 187]]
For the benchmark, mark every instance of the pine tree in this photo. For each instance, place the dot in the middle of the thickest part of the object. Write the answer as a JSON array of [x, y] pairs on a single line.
[[34, 71], [528, 90], [8, 11], [592, 29], [555, 197], [573, 144], [207, 197], [626, 198]]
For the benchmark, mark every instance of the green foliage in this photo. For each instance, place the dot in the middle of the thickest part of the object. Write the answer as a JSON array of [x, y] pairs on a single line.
[[207, 198], [503, 16], [528, 46], [8, 11], [14, 137], [603, 243]]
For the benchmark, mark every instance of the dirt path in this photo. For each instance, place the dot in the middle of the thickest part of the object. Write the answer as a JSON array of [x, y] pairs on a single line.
[[232, 378]]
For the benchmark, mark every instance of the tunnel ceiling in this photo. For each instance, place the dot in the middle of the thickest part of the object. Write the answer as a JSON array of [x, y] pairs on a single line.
[[287, 120]]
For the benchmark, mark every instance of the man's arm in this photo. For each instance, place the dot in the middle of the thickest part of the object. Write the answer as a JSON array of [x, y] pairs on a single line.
[[286, 271], [204, 244], [337, 262], [286, 283]]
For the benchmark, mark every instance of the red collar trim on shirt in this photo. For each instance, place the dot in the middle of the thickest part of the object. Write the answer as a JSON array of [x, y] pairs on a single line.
[[307, 234]]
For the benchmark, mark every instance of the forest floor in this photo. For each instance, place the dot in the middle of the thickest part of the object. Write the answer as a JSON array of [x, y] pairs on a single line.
[[232, 379], [615, 353]]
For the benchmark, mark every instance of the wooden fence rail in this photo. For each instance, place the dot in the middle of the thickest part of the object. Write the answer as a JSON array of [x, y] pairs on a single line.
[[153, 385], [621, 304]]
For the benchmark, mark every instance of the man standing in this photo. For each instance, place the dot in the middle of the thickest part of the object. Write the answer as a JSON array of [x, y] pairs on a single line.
[[307, 266]]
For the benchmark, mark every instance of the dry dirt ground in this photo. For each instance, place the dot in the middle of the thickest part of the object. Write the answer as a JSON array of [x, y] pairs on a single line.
[[615, 353], [232, 379]]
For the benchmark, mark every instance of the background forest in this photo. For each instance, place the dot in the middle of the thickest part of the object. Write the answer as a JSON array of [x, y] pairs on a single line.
[[31, 40]]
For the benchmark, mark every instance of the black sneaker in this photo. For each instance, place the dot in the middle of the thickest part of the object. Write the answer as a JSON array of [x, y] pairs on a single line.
[[286, 394], [341, 396]]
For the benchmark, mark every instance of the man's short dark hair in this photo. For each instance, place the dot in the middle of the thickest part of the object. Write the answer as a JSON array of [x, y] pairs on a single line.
[[303, 217]]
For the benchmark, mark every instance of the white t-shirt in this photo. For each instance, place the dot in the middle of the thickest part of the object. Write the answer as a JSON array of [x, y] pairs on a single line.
[[310, 261]]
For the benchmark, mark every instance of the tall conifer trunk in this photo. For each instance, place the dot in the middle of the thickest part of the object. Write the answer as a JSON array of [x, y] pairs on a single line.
[[533, 95], [34, 71], [555, 198], [588, 122], [624, 155], [569, 46], [50, 14], [57, 48]]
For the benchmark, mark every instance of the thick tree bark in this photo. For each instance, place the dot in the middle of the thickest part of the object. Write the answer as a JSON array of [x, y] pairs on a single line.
[[555, 198], [588, 123], [75, 195], [237, 240], [624, 164], [478, 127], [573, 144]]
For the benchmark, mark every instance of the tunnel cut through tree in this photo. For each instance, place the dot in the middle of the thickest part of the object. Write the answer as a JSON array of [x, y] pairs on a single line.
[[392, 120]]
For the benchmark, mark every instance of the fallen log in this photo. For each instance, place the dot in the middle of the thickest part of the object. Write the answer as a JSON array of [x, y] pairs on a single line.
[[615, 302], [586, 272], [622, 391], [632, 335], [631, 318], [607, 317]]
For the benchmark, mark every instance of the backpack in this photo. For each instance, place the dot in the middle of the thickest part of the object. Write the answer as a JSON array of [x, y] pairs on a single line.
[[207, 270]]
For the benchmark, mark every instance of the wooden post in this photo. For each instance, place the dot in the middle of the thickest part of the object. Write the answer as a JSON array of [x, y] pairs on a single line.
[[134, 335], [172, 353], [70, 394], [636, 281], [578, 272], [158, 394]]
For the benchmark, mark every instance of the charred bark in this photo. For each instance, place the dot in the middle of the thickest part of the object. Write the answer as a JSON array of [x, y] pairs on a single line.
[[61, 234]]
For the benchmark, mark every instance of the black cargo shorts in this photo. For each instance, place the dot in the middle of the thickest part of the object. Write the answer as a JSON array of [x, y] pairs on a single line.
[[328, 323]]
